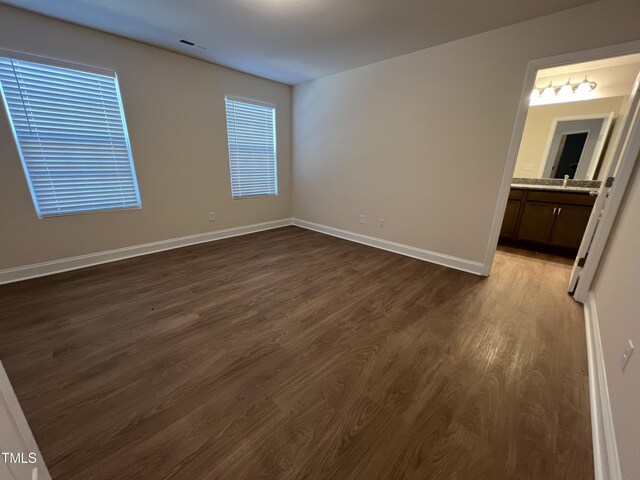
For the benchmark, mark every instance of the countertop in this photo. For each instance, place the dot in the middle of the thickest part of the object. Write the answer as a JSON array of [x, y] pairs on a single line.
[[555, 188]]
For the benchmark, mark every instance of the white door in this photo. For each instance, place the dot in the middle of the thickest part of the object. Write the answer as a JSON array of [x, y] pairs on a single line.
[[606, 205], [597, 153], [20, 458]]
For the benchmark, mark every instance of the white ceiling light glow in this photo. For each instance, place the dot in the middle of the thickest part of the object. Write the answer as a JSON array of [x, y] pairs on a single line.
[[548, 92], [585, 86], [566, 89]]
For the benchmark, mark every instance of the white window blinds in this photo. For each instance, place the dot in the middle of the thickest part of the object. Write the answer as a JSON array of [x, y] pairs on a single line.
[[251, 129], [70, 130]]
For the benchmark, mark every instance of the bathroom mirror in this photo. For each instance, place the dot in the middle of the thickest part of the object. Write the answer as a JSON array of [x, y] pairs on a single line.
[[575, 147], [564, 145]]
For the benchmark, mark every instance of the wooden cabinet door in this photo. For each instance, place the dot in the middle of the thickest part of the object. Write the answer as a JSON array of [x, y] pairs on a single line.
[[510, 219], [569, 226], [536, 222]]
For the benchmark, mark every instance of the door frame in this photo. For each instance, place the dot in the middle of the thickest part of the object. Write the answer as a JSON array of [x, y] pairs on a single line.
[[16, 437], [614, 189], [516, 137]]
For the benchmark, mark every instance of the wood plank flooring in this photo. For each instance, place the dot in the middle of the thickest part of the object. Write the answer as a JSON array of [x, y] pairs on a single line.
[[292, 354]]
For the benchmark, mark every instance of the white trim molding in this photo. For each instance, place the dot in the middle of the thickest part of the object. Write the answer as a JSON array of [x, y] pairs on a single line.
[[65, 264], [605, 448], [402, 249], [16, 437]]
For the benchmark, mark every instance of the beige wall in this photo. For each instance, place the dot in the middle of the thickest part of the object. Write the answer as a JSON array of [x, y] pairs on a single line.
[[421, 140], [538, 127], [175, 113], [618, 307]]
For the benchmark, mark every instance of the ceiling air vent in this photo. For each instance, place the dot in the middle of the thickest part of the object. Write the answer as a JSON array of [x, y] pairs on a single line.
[[193, 44]]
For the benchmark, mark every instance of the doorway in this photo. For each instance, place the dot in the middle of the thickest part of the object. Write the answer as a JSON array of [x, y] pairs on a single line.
[[568, 156]]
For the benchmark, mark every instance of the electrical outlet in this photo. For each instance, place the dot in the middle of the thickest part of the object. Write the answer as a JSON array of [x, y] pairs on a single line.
[[212, 216], [363, 219], [628, 351], [381, 222]]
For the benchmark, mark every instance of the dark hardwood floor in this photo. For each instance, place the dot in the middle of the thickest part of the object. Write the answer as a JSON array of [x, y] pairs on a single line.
[[292, 354]]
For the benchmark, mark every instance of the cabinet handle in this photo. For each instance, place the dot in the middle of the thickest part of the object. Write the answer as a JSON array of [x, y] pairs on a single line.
[[554, 211], [559, 210]]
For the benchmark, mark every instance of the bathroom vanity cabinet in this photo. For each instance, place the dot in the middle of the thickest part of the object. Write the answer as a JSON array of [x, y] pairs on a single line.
[[552, 218]]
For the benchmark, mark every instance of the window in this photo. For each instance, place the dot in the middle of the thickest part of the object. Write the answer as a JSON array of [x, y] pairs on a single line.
[[71, 135], [251, 129]]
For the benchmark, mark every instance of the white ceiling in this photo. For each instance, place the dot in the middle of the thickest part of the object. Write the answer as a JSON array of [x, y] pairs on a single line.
[[293, 41]]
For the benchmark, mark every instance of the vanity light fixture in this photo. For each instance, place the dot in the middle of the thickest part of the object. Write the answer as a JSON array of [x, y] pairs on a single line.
[[565, 90]]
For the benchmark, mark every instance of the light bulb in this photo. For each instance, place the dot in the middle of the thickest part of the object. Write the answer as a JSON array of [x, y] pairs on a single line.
[[585, 86], [549, 91], [566, 90]]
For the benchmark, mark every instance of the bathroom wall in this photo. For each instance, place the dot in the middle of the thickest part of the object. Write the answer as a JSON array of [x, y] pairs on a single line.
[[539, 123]]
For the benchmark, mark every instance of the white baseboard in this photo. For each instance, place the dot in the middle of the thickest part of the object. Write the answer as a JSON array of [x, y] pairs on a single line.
[[433, 257], [72, 263], [57, 266], [605, 449]]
